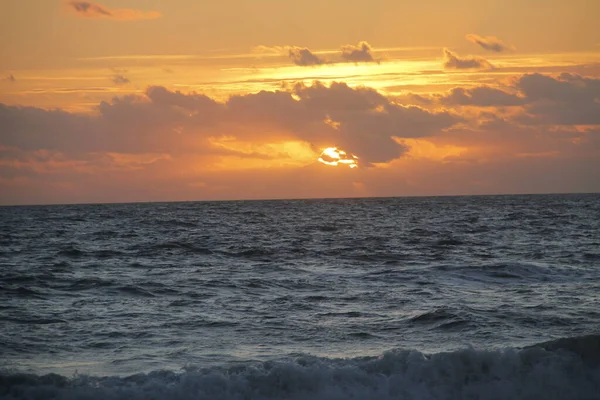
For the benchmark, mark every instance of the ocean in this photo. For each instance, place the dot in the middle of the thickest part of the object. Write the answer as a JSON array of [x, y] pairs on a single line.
[[473, 297]]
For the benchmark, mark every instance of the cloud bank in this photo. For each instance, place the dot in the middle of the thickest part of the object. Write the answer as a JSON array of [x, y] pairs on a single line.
[[359, 120], [86, 9], [535, 133]]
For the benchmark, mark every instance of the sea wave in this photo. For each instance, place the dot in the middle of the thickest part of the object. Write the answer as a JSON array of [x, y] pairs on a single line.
[[567, 368]]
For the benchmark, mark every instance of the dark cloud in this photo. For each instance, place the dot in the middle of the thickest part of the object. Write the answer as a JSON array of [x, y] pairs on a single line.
[[454, 61], [88, 9], [490, 43], [569, 99], [31, 128], [358, 53], [361, 121], [368, 120], [303, 57], [120, 80], [570, 88], [161, 96]]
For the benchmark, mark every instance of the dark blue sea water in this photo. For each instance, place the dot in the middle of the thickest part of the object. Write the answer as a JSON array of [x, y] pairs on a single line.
[[487, 297]]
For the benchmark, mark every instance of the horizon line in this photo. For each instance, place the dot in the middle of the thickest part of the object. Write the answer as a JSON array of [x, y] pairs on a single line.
[[298, 198]]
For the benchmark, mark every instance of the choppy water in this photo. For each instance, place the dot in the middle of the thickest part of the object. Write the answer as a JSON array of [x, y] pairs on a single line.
[[400, 298]]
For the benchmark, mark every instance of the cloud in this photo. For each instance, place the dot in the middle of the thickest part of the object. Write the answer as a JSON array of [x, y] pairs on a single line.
[[203, 108], [303, 57], [86, 9], [120, 80], [569, 99], [171, 145], [366, 121], [11, 78], [454, 61], [490, 43], [359, 120], [90, 9], [358, 53]]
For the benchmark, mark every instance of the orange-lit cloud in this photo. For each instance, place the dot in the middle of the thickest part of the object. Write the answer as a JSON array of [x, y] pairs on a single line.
[[86, 9], [172, 145], [490, 43], [425, 149], [454, 61], [361, 120]]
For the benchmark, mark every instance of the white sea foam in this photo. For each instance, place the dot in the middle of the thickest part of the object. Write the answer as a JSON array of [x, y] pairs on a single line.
[[533, 373]]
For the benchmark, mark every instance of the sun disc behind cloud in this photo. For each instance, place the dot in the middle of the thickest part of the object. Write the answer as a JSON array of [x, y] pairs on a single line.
[[334, 156]]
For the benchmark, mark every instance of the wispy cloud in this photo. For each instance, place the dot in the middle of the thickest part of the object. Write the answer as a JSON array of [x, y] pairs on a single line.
[[454, 61], [490, 43], [271, 50], [120, 80], [86, 9]]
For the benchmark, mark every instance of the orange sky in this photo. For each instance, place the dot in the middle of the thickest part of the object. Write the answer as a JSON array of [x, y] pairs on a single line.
[[156, 100]]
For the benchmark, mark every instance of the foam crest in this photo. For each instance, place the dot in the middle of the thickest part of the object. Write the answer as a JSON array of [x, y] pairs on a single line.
[[549, 371]]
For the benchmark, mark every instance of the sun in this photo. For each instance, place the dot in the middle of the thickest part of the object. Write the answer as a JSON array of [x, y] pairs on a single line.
[[335, 156]]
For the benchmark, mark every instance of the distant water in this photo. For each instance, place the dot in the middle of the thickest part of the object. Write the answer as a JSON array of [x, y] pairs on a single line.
[[488, 297]]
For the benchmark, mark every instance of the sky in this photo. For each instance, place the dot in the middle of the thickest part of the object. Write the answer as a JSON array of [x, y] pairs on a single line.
[[180, 100]]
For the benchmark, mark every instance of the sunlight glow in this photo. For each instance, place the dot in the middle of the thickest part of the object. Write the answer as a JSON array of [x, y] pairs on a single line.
[[334, 156], [240, 154], [426, 149]]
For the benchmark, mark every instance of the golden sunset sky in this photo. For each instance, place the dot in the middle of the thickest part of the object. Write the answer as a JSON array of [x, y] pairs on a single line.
[[156, 100]]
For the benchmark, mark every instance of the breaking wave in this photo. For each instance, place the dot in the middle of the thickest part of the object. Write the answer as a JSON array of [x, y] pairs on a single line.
[[563, 369]]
